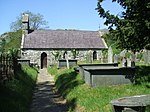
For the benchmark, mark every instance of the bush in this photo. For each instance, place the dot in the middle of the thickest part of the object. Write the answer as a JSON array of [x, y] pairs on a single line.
[[142, 74]]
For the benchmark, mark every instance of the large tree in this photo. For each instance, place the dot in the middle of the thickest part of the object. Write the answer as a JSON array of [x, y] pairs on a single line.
[[131, 29], [36, 21]]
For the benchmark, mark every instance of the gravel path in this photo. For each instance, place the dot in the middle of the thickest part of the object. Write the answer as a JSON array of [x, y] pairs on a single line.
[[45, 99]]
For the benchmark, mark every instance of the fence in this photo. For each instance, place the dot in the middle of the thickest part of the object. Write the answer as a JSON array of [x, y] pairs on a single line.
[[7, 68]]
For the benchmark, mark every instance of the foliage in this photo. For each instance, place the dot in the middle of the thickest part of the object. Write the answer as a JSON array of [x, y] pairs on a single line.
[[81, 97], [132, 26], [111, 42], [36, 21], [15, 95], [142, 74], [13, 40], [13, 53], [56, 54], [75, 53]]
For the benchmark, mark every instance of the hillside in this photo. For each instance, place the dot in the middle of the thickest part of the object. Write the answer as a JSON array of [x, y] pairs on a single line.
[[13, 40]]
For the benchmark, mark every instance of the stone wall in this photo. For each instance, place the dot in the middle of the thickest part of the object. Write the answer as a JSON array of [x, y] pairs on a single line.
[[35, 55]]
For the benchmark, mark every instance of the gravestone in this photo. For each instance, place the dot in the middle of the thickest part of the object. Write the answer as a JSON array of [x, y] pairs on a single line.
[[116, 58], [89, 57], [128, 62], [101, 56], [148, 53], [133, 58], [110, 55], [66, 57], [123, 57], [124, 62], [123, 53], [145, 56]]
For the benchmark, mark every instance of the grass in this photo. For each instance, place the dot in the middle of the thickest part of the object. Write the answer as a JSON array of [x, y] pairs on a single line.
[[15, 95], [53, 70], [81, 97]]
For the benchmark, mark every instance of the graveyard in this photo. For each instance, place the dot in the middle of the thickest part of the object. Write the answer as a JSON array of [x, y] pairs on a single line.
[[95, 84], [75, 64], [81, 96], [91, 85], [107, 83]]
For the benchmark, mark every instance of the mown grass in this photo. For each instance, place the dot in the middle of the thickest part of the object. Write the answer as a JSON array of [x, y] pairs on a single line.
[[15, 95], [81, 97]]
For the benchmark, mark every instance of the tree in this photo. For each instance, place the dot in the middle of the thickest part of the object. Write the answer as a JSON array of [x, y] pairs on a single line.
[[36, 21], [132, 27]]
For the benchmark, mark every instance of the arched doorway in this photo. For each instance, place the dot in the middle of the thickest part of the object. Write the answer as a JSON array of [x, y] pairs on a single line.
[[43, 60], [94, 55]]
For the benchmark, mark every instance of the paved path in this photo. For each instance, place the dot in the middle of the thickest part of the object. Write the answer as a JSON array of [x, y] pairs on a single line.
[[45, 99]]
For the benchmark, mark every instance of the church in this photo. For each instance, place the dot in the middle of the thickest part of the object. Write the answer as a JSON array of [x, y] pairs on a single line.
[[44, 47]]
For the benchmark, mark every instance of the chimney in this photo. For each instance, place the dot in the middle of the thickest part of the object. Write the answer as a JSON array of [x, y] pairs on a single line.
[[25, 23], [25, 27]]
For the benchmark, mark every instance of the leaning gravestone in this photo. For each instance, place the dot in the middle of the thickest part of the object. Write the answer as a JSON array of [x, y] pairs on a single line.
[[123, 53], [123, 57], [110, 55]]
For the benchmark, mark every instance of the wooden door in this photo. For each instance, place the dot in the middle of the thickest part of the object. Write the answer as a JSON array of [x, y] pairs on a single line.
[[43, 60]]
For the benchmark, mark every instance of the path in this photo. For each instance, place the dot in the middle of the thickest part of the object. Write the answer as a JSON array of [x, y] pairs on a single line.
[[45, 99]]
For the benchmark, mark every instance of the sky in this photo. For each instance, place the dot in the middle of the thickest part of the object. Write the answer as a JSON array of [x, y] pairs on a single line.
[[60, 14]]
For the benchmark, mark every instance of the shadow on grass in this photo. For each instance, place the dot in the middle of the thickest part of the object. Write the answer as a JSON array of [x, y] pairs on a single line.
[[65, 83], [15, 95], [142, 74]]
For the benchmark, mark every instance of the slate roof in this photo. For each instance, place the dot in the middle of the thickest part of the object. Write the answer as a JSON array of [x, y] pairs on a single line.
[[63, 39]]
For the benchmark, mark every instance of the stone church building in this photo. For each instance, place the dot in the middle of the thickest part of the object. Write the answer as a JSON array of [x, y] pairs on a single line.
[[42, 47]]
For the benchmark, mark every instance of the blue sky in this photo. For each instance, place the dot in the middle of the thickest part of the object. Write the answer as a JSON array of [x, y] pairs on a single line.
[[60, 14]]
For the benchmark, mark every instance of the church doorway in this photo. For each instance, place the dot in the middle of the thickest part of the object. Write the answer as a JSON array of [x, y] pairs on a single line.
[[94, 55], [43, 60]]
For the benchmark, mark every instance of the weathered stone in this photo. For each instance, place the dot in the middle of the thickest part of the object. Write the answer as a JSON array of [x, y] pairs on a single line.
[[110, 55], [106, 74], [139, 103]]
